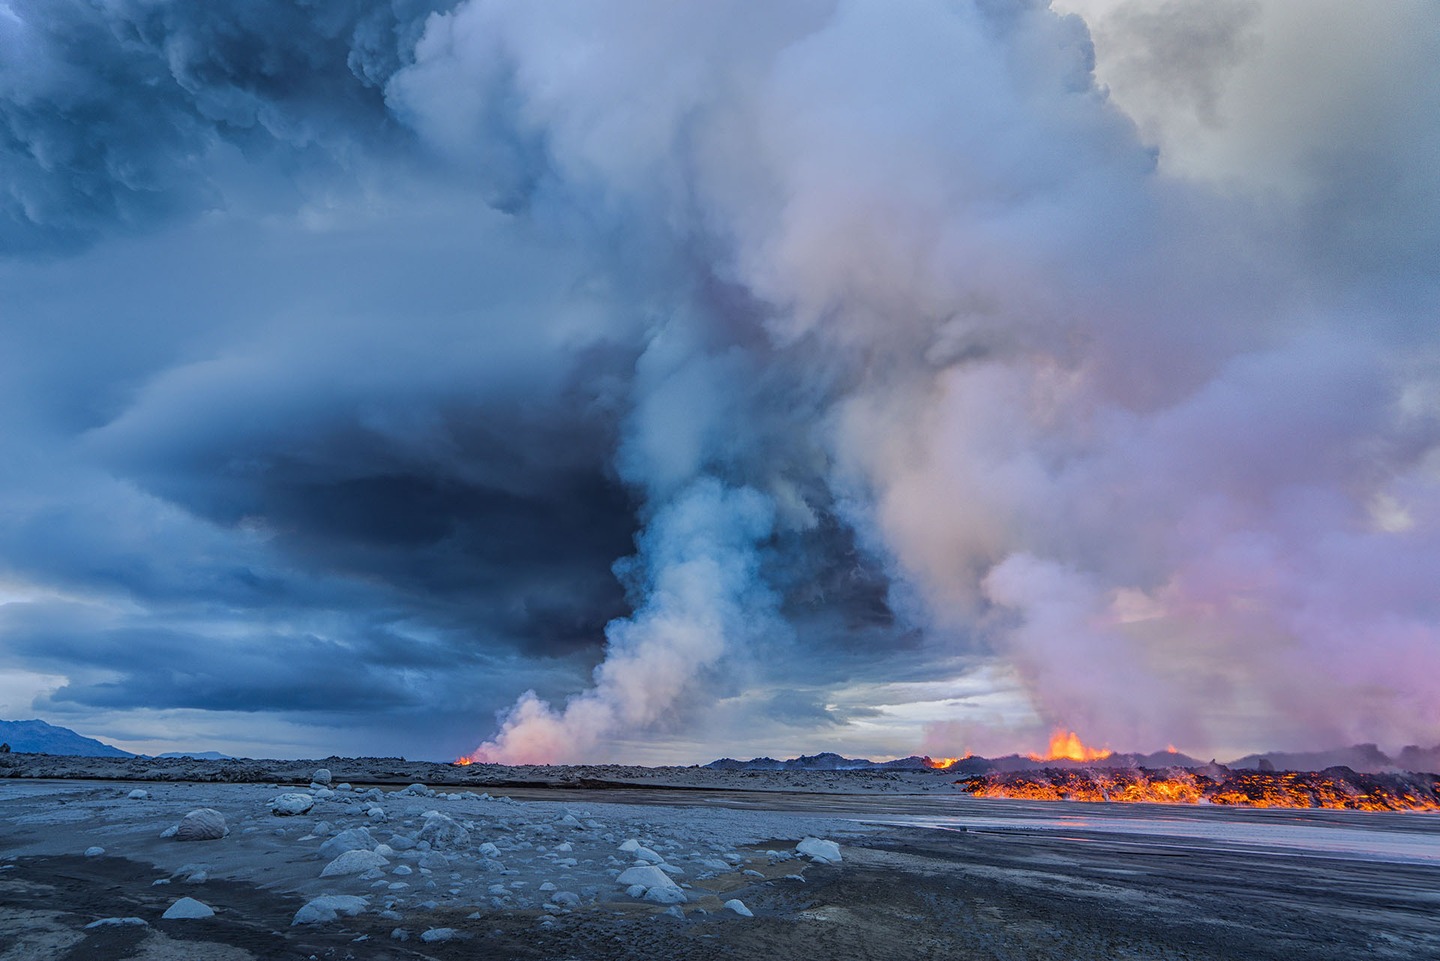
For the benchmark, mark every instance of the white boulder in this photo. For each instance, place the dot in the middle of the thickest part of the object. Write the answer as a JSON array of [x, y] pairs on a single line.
[[353, 839], [188, 909], [94, 851], [202, 824], [289, 805], [322, 776], [354, 862], [328, 907], [138, 795], [825, 852], [441, 830], [738, 906], [657, 884], [647, 855]]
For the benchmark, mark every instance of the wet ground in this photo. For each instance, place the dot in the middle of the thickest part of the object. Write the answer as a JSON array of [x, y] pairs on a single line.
[[1021, 881]]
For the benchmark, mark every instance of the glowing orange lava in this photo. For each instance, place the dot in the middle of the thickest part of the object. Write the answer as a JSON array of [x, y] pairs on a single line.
[[944, 763], [1283, 789], [462, 761], [1067, 746]]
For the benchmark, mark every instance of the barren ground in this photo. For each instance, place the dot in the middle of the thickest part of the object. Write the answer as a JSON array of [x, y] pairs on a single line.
[[1022, 881]]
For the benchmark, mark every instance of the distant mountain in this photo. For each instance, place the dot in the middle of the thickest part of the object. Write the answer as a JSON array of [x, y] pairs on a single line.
[[1364, 758], [198, 755], [825, 761], [37, 737]]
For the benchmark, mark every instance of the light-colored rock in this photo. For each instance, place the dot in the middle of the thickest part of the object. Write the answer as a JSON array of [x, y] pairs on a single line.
[[354, 862], [118, 922], [94, 851], [738, 906], [657, 885], [321, 776], [629, 846], [202, 824], [647, 855], [441, 830], [289, 805], [826, 852], [328, 907], [354, 839], [188, 909], [437, 934], [138, 795], [670, 895]]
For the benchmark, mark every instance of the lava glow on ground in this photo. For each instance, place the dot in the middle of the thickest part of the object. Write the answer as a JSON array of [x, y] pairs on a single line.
[[1335, 788]]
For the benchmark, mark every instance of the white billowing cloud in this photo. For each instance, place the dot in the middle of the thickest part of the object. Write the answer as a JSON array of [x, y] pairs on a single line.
[[702, 600], [1053, 380]]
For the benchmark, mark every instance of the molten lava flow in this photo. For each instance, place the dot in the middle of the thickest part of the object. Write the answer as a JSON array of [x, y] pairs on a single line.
[[944, 763], [1336, 788], [462, 761], [1067, 746]]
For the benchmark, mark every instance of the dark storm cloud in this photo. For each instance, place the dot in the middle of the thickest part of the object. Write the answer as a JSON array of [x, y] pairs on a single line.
[[121, 114]]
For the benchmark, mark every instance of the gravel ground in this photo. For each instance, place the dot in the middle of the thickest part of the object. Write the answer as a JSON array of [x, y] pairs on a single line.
[[1021, 882]]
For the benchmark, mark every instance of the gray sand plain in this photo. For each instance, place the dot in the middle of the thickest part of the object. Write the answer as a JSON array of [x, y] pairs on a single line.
[[530, 871]]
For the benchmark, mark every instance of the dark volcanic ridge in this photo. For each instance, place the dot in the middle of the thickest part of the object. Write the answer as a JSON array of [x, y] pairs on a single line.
[[1363, 758]]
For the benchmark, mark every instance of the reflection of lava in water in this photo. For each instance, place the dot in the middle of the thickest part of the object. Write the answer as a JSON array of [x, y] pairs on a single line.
[[1336, 788]]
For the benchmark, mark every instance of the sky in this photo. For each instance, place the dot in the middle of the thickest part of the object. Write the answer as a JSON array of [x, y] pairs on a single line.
[[650, 382]]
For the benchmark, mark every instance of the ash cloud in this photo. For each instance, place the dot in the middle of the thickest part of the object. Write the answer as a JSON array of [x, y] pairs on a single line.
[[441, 352]]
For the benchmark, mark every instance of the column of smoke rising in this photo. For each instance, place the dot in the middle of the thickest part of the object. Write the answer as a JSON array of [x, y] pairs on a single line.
[[701, 594], [1078, 420]]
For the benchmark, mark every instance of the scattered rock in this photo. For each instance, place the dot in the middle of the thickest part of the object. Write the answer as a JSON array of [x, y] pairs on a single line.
[[322, 776], [738, 906], [118, 922], [328, 907], [825, 852], [354, 839], [648, 856], [289, 805], [441, 830], [354, 862], [437, 934], [657, 884], [187, 909], [94, 851], [202, 824], [138, 795]]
